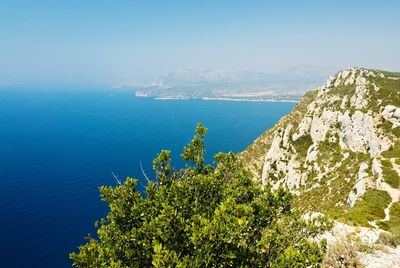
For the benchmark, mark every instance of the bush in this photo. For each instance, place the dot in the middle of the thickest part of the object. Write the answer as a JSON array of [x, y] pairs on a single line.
[[389, 239], [389, 174], [393, 151], [302, 144], [393, 224], [369, 208], [343, 253], [201, 216]]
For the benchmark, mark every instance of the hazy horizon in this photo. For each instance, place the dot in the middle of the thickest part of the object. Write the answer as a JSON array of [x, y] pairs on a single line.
[[109, 43]]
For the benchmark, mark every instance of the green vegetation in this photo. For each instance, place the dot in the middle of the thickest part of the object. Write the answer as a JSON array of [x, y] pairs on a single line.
[[389, 93], [369, 208], [253, 156], [201, 216], [344, 253], [389, 239], [331, 196], [396, 131], [393, 152], [389, 74], [387, 127], [393, 225], [332, 200], [330, 179], [389, 174], [302, 144], [343, 90], [311, 200], [329, 153]]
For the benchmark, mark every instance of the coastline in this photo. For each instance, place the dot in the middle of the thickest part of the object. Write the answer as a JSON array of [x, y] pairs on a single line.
[[253, 100], [221, 99]]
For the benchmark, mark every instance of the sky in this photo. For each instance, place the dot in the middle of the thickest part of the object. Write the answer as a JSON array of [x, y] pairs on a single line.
[[102, 42]]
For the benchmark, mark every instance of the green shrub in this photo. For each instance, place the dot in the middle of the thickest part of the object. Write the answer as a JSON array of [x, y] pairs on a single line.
[[369, 208], [389, 239], [393, 152], [393, 225], [396, 132], [388, 93], [343, 253], [302, 144], [201, 216], [390, 175]]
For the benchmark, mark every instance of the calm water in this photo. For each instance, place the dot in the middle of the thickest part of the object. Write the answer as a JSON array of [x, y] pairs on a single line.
[[58, 146]]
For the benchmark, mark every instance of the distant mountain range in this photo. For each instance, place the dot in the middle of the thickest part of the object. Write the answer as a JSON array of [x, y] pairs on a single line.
[[287, 85]]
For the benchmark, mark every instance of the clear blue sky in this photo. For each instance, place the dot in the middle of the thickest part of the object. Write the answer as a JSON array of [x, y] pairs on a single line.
[[103, 41]]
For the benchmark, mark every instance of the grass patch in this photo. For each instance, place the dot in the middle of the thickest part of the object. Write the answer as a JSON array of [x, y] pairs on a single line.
[[393, 151], [396, 131], [302, 144], [388, 93], [370, 207], [311, 200], [343, 90], [332, 199], [389, 174], [329, 152], [390, 74], [387, 127], [393, 225]]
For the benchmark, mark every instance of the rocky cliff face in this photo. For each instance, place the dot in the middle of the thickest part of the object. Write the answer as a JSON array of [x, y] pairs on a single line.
[[338, 151]]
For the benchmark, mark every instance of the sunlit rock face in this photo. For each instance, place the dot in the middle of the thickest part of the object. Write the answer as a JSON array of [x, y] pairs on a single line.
[[330, 147], [338, 152]]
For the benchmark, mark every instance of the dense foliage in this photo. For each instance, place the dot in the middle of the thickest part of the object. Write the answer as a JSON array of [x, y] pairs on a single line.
[[201, 216]]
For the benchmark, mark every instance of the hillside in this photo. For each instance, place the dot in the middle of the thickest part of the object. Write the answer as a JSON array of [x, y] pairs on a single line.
[[338, 151]]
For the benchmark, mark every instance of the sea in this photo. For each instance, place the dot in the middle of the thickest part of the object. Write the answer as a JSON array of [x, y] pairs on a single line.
[[58, 145]]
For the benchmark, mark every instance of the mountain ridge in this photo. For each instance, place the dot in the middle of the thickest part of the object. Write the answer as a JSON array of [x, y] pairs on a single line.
[[338, 151], [289, 84]]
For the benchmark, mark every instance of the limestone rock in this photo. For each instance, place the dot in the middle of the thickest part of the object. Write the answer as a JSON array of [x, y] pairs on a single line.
[[360, 187], [359, 134], [359, 100], [329, 151], [321, 125], [392, 114]]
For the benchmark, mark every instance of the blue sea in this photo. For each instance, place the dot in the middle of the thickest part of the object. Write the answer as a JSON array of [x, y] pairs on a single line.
[[57, 146]]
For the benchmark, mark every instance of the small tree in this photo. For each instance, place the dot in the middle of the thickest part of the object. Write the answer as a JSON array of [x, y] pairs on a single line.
[[195, 151], [201, 216]]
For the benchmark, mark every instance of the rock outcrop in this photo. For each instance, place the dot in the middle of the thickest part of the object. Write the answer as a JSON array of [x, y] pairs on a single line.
[[336, 150], [392, 114]]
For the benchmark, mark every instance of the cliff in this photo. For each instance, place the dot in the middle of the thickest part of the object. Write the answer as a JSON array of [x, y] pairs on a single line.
[[338, 151]]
